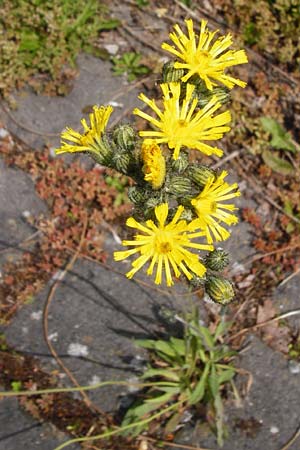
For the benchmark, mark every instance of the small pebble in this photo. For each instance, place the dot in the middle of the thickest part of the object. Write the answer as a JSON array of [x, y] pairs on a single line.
[[294, 367], [111, 48], [3, 133], [116, 104], [52, 152], [26, 214], [274, 430]]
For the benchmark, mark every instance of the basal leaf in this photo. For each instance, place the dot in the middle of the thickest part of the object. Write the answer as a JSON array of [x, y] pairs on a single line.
[[209, 341], [161, 373], [226, 375], [213, 381], [280, 138], [277, 164], [199, 390], [162, 398]]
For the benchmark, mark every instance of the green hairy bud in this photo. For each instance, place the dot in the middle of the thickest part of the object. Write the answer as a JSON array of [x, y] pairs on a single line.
[[121, 162], [181, 163], [136, 194], [197, 282], [200, 174], [219, 289], [170, 74], [103, 154], [125, 137], [178, 185], [217, 260], [204, 96]]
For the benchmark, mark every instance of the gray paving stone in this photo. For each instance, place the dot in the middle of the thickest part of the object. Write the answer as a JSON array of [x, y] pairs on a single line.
[[95, 84], [17, 199], [22, 431]]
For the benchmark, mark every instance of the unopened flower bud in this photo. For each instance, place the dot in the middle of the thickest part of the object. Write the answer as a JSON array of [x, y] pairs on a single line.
[[179, 185], [219, 289], [121, 161], [181, 163], [200, 174], [152, 202], [104, 153], [170, 74], [217, 260], [204, 95], [197, 282], [125, 137], [136, 195]]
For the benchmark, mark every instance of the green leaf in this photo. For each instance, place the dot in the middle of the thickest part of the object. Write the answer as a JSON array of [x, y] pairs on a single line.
[[199, 391], [280, 137], [30, 42], [165, 347], [145, 343], [172, 423], [221, 329], [108, 25], [138, 412], [16, 386], [226, 375], [162, 398], [160, 373], [283, 143], [277, 164], [207, 337], [213, 381], [178, 345], [202, 355]]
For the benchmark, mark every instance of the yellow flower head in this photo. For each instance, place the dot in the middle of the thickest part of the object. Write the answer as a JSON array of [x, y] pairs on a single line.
[[165, 245], [179, 125], [211, 211], [204, 58], [90, 140], [154, 166]]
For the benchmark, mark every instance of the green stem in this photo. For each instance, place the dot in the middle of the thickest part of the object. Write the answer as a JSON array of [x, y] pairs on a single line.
[[120, 430], [83, 388]]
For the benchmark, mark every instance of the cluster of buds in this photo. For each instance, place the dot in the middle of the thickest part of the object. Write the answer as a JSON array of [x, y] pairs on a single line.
[[175, 200]]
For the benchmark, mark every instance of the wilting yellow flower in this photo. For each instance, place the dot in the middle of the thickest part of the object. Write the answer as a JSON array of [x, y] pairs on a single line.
[[211, 211], [154, 166], [165, 245], [90, 140], [205, 59], [180, 125]]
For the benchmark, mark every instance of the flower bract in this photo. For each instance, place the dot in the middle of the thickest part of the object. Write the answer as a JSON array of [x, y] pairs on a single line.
[[179, 124], [154, 166], [205, 57], [211, 210], [90, 139], [166, 245]]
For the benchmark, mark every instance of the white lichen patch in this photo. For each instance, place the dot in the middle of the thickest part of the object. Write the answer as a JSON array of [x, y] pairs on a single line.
[[94, 380], [53, 336], [76, 349], [36, 315]]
